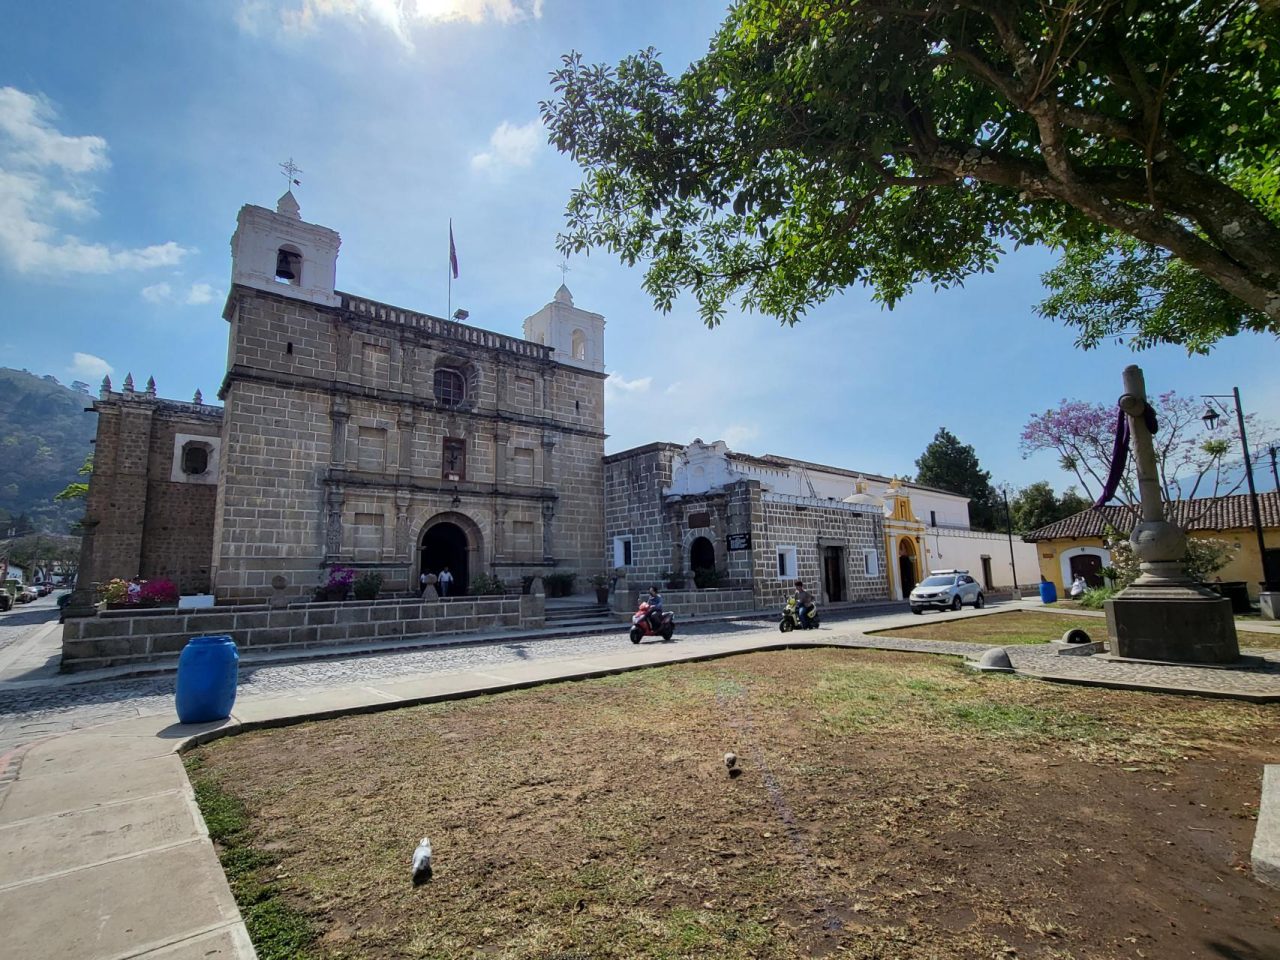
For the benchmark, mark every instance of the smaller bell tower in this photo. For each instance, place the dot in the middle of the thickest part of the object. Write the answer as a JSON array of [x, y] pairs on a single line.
[[577, 335], [277, 251]]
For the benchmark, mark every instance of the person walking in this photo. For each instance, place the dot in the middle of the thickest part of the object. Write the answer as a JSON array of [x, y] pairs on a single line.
[[445, 581], [422, 584]]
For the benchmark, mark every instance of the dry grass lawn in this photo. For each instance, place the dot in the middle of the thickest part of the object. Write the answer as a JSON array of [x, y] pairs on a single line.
[[890, 806]]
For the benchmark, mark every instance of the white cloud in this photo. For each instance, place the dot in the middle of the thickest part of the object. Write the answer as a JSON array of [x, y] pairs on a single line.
[[88, 367], [739, 435], [510, 146], [199, 293], [157, 293], [617, 383], [43, 176], [163, 292], [400, 17]]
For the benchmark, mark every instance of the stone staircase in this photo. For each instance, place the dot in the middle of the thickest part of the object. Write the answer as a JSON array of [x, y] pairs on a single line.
[[569, 612]]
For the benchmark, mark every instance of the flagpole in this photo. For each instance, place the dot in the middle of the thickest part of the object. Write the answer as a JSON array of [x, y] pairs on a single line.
[[448, 266]]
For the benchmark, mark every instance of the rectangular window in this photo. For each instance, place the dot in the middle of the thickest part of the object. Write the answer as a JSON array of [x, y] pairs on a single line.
[[872, 560], [622, 551], [786, 563], [453, 460], [372, 449], [933, 518]]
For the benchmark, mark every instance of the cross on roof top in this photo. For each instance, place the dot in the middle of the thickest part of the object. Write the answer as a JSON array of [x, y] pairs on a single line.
[[289, 169]]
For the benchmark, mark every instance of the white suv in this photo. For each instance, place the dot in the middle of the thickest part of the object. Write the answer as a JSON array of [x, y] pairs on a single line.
[[946, 590]]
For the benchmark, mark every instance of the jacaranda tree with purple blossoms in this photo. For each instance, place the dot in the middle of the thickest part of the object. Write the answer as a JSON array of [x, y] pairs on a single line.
[[1192, 462]]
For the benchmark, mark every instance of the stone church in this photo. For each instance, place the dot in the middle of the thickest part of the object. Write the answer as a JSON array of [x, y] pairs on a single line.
[[354, 433], [359, 434]]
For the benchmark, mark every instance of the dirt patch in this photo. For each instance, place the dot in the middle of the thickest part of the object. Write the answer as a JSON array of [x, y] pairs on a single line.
[[890, 806]]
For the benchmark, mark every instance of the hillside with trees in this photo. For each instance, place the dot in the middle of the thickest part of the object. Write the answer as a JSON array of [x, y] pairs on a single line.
[[45, 435]]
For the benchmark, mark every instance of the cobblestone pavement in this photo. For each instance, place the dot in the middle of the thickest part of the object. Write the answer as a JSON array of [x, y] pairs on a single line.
[[1262, 681]]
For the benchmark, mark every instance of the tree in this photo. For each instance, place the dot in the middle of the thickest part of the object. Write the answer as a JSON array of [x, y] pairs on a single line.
[[1037, 506], [951, 465], [890, 142], [1190, 463], [77, 489]]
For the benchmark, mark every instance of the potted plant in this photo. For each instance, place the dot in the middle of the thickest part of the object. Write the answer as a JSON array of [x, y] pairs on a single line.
[[367, 586], [115, 594], [161, 592], [336, 587], [601, 583], [673, 581]]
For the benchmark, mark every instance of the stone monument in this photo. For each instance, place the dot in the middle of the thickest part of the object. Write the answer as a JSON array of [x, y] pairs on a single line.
[[1164, 614]]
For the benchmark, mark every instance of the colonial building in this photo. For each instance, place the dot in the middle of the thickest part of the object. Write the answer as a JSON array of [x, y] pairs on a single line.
[[763, 522], [362, 434], [356, 433], [1076, 546]]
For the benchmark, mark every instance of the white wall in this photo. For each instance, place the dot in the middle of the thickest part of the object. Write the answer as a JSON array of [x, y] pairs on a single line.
[[964, 549]]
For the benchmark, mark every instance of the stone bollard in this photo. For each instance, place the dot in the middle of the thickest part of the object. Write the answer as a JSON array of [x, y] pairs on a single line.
[[620, 596], [278, 599]]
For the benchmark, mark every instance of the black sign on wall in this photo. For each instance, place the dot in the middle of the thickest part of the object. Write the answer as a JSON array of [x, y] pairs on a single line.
[[697, 520], [739, 541]]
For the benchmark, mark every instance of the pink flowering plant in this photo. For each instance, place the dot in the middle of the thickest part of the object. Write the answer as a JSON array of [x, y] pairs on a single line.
[[158, 591], [338, 584]]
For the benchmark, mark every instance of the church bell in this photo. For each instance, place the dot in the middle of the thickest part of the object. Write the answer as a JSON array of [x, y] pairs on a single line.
[[285, 265]]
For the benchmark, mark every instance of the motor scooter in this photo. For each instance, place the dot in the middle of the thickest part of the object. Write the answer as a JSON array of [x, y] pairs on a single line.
[[642, 627], [790, 619]]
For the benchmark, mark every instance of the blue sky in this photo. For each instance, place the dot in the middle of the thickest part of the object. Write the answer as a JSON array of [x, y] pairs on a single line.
[[131, 134]]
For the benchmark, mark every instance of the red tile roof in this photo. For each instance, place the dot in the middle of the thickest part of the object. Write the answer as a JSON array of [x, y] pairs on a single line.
[[1203, 513]]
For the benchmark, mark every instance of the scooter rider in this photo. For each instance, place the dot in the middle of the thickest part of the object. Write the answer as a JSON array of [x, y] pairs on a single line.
[[804, 605], [655, 609]]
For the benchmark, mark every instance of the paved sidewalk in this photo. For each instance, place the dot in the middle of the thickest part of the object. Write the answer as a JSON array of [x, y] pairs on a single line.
[[104, 855]]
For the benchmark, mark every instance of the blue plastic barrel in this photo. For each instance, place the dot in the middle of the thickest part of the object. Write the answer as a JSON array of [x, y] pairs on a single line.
[[207, 673], [1048, 591]]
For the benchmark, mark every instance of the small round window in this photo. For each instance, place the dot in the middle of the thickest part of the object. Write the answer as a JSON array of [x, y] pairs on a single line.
[[450, 387], [195, 458]]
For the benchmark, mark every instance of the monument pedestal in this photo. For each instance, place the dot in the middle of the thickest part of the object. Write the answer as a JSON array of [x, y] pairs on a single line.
[[1172, 622]]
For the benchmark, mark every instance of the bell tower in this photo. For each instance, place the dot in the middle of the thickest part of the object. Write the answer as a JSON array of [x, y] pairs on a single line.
[[277, 251], [576, 335]]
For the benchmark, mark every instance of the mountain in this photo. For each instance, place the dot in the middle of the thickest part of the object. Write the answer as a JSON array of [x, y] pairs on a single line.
[[45, 434]]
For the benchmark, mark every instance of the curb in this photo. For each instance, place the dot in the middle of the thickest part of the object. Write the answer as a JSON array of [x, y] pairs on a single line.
[[1266, 837]]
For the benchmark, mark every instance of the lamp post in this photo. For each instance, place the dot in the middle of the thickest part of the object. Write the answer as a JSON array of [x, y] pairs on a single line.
[[1211, 418], [1008, 525]]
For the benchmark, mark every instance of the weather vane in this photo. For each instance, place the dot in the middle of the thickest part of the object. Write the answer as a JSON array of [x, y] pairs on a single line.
[[289, 170], [564, 271]]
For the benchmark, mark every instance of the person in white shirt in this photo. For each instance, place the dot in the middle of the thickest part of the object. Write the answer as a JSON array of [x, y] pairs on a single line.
[[1078, 587], [445, 581]]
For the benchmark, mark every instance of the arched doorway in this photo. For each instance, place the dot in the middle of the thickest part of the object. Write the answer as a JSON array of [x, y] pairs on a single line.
[[907, 574], [702, 555], [444, 544]]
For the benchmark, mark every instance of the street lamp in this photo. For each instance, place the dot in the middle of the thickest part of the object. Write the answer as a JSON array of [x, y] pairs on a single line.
[[1214, 402], [1008, 525]]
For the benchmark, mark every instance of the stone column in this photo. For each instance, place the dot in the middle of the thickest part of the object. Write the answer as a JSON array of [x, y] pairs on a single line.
[[402, 526], [333, 499], [404, 426], [339, 415], [548, 515], [548, 459], [499, 530], [500, 439], [1163, 615]]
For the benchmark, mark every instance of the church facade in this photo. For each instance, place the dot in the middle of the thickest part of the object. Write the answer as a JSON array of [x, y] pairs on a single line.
[[356, 433]]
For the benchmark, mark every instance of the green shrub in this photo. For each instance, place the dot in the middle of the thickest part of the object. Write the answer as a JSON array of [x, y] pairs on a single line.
[[705, 578], [367, 586], [1094, 598], [485, 585], [559, 584]]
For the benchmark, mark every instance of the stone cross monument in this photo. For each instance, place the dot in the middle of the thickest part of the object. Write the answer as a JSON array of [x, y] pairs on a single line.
[[1164, 614]]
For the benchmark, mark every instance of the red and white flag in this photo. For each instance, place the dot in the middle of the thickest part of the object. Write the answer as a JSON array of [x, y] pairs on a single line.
[[453, 252]]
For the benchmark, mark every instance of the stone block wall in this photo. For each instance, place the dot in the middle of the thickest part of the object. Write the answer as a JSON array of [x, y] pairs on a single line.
[[134, 637], [634, 509], [139, 520], [333, 411], [808, 525], [696, 603]]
